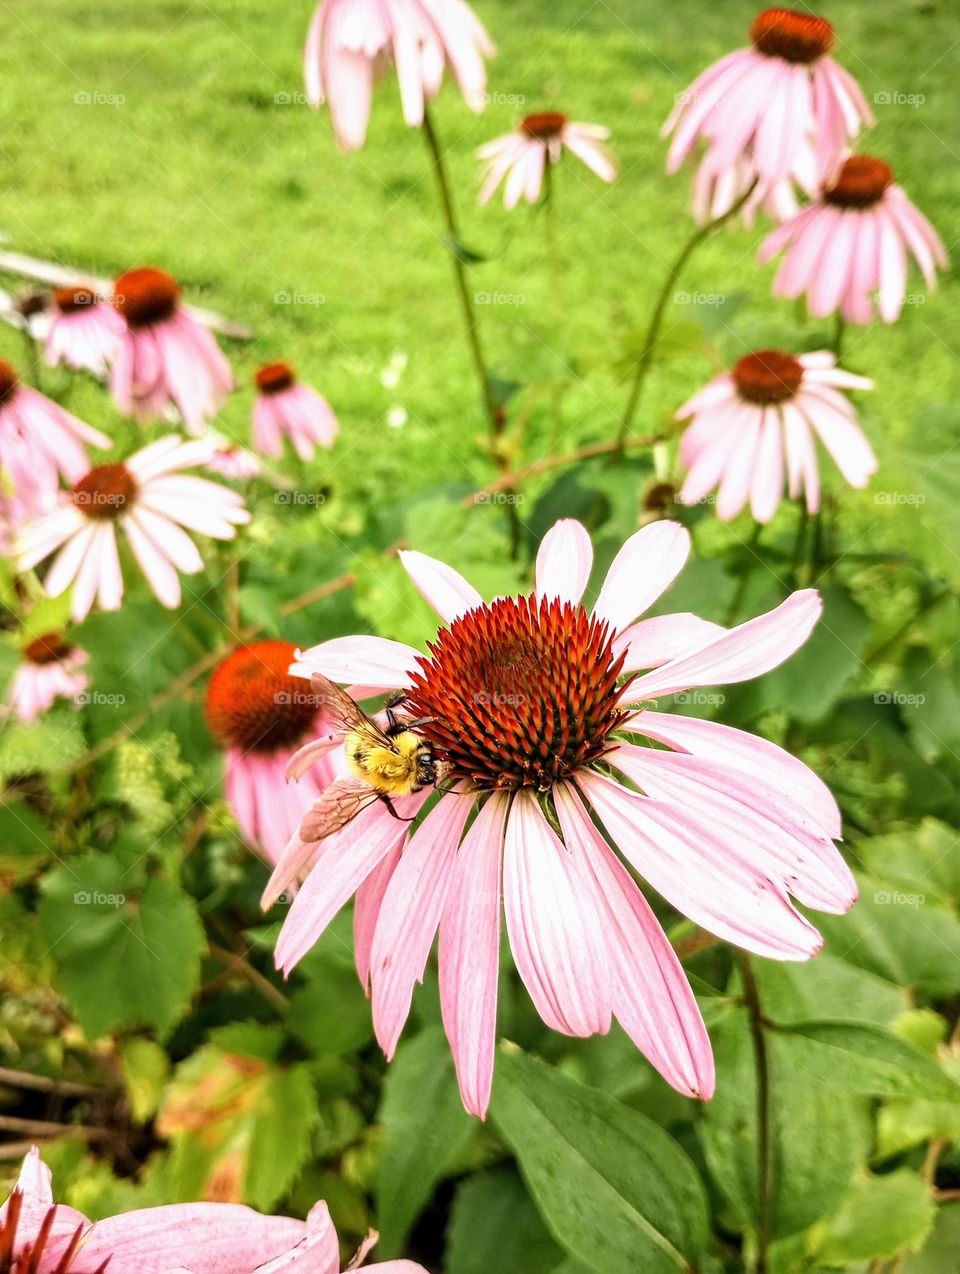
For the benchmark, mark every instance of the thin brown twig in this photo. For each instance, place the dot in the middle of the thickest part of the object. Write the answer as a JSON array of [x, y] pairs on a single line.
[[44, 1084], [234, 960]]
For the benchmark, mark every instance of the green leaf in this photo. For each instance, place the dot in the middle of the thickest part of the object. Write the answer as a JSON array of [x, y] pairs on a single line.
[[861, 1058], [280, 1135], [126, 954], [825, 988], [818, 1140], [923, 481], [494, 1225], [939, 1253], [881, 1216], [611, 1185], [424, 1129], [900, 934], [145, 1070], [924, 858], [42, 747], [331, 1014]]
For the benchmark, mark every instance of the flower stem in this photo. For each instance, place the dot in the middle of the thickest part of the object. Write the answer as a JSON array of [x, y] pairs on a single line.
[[744, 581], [652, 336], [493, 417], [751, 995]]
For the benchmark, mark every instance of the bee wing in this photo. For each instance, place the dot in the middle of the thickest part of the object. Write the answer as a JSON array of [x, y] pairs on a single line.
[[335, 807], [337, 706]]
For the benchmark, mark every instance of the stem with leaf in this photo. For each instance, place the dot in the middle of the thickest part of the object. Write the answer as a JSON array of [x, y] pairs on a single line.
[[652, 337]]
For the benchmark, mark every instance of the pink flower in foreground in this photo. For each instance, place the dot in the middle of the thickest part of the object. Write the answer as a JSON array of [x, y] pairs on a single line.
[[165, 356], [38, 1236], [283, 406], [854, 243], [779, 112], [85, 331], [537, 705], [39, 444], [521, 156], [262, 715], [351, 42], [51, 669], [147, 496], [754, 425]]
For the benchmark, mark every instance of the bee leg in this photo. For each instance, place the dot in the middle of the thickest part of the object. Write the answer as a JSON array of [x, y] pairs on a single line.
[[389, 804], [412, 725]]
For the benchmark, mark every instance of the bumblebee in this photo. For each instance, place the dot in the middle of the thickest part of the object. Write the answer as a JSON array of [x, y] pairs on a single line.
[[385, 761]]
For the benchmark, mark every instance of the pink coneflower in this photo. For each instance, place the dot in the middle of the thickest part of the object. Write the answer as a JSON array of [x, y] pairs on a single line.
[[39, 444], [521, 156], [262, 715], [52, 669], [757, 423], [147, 496], [85, 331], [779, 112], [165, 356], [284, 406], [38, 1236], [854, 243], [538, 706], [233, 462], [351, 42]]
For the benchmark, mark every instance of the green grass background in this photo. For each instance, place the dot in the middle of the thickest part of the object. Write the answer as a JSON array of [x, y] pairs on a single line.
[[201, 171]]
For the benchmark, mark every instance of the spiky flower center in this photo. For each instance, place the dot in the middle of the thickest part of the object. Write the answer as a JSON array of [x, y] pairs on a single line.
[[793, 36], [254, 704], [544, 125], [107, 491], [145, 296], [8, 381], [520, 693], [861, 183], [274, 378], [28, 1257], [69, 300], [50, 648], [768, 376]]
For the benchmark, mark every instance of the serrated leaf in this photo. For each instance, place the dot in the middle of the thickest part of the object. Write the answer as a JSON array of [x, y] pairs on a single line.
[[145, 1069], [126, 954], [881, 1216], [424, 1129], [611, 1185]]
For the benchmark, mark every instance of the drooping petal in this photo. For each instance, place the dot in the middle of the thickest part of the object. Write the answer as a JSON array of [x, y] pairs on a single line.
[[652, 998], [410, 913], [553, 921], [657, 640], [470, 954], [369, 661]]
